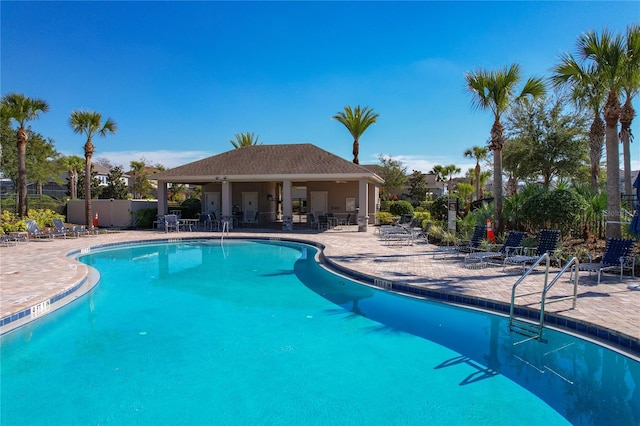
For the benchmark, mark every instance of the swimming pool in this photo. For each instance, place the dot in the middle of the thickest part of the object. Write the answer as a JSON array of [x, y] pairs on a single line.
[[256, 332]]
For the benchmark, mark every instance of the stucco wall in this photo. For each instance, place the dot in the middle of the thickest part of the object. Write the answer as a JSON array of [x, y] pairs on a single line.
[[111, 213]]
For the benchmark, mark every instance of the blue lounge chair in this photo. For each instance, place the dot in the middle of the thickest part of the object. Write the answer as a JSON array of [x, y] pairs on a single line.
[[547, 243], [76, 231], [617, 255], [479, 234], [511, 247], [35, 231]]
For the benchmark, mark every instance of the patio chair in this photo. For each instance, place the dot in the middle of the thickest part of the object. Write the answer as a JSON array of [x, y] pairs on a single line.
[[35, 231], [617, 255], [74, 231], [7, 240], [396, 234], [479, 234], [250, 218], [547, 243], [313, 221], [171, 222], [510, 247]]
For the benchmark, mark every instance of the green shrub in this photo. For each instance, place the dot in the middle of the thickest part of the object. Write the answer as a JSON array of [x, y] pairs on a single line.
[[190, 208], [558, 209], [384, 218], [145, 218], [439, 208], [398, 208]]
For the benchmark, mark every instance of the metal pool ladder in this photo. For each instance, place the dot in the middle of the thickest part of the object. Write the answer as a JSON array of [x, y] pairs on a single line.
[[533, 330]]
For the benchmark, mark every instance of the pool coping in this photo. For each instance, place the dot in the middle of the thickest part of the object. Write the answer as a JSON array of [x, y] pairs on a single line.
[[603, 336]]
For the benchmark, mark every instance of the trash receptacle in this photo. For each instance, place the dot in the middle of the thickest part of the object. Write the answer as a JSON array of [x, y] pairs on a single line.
[[287, 223], [363, 221]]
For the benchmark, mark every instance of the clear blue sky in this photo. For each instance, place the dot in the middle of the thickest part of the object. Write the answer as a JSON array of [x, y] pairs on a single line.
[[181, 78]]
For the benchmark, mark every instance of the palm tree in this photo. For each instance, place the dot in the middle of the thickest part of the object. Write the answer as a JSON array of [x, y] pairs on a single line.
[[495, 91], [22, 109], [630, 87], [356, 121], [479, 153], [244, 139], [73, 164], [90, 123], [607, 53], [448, 172], [582, 81]]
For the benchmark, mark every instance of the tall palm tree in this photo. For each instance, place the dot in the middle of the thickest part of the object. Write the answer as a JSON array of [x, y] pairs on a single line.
[[607, 53], [495, 91], [245, 139], [582, 81], [356, 121], [630, 87], [448, 172], [90, 123], [73, 164], [479, 153], [22, 109]]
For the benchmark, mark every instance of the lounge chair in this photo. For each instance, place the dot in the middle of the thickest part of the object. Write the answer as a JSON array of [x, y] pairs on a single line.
[[510, 247], [74, 231], [617, 255], [35, 231], [479, 234], [547, 243], [396, 234]]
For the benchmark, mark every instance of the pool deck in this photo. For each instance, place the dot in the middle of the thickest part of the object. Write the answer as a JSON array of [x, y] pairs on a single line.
[[34, 272]]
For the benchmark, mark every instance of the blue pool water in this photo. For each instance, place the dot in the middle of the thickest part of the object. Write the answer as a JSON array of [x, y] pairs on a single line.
[[253, 332]]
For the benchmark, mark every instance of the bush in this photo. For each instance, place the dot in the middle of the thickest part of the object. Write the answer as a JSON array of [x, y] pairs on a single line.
[[558, 209], [398, 208], [190, 208], [439, 208], [384, 218], [145, 218]]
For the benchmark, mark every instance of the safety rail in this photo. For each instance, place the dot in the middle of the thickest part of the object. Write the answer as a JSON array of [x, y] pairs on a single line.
[[225, 225], [527, 328]]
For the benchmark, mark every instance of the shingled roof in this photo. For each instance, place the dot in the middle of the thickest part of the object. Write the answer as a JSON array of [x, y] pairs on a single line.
[[251, 162]]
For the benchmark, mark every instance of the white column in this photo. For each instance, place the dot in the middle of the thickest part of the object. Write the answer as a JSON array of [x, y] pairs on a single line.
[[226, 204], [363, 205], [162, 198], [287, 207]]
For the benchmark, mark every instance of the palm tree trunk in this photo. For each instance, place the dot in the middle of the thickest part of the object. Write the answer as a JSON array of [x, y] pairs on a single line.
[[88, 153], [22, 139], [356, 151], [626, 117], [611, 117], [496, 144], [596, 143], [477, 182]]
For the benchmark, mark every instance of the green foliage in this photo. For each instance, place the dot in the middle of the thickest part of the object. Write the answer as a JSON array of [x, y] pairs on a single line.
[[417, 187], [547, 141], [384, 218], [398, 208], [559, 209], [191, 208], [245, 139], [439, 208], [384, 205], [116, 188], [44, 218], [96, 189], [10, 222], [145, 218], [394, 175]]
